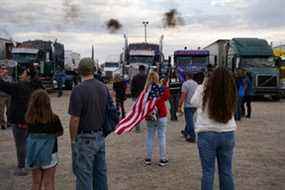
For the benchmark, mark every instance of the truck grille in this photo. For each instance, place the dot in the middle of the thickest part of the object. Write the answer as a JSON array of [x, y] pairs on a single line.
[[267, 81], [109, 74]]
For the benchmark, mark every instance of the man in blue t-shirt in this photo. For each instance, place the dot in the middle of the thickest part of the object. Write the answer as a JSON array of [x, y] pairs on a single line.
[[87, 108]]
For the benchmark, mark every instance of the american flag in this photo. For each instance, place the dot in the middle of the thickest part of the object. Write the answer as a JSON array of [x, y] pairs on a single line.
[[141, 108]]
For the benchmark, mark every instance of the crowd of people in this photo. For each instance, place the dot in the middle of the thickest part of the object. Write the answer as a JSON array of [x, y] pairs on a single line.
[[211, 107]]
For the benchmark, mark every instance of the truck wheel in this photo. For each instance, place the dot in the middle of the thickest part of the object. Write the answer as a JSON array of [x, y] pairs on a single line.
[[276, 98]]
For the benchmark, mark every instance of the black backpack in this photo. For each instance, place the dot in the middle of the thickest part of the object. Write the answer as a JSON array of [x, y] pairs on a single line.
[[112, 117]]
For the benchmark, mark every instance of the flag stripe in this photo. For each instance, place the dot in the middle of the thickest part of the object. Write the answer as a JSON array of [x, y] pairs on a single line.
[[135, 113], [143, 106]]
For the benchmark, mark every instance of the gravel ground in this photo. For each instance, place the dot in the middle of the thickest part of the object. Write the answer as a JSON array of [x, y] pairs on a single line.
[[259, 162]]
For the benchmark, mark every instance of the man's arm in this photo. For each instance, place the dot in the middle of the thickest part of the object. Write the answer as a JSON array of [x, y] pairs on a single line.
[[73, 127], [181, 100]]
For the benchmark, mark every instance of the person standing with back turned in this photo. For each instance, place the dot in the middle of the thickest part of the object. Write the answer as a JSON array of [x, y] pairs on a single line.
[[87, 108], [137, 86], [187, 91], [215, 100]]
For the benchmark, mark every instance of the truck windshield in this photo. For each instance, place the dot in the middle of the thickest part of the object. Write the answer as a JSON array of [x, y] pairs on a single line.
[[24, 57], [257, 62], [191, 60], [111, 64], [142, 59]]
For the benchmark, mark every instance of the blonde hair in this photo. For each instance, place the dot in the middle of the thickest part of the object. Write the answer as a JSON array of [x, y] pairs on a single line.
[[152, 77]]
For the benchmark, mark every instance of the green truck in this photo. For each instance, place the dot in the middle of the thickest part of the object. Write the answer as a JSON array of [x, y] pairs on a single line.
[[255, 56], [47, 56]]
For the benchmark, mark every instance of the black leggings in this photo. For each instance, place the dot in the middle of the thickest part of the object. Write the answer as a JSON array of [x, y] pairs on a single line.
[[121, 108]]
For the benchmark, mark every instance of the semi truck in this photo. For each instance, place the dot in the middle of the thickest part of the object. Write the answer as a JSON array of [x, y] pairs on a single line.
[[279, 54], [193, 61], [135, 54], [110, 69], [255, 56], [46, 56]]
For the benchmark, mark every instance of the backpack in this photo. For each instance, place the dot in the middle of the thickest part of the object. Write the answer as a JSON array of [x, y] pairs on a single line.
[[153, 115], [112, 117]]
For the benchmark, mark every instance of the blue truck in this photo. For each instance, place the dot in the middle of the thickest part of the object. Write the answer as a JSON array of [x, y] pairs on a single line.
[[193, 61]]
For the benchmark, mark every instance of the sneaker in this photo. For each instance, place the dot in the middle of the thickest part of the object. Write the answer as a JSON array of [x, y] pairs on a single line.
[[20, 172], [147, 161], [163, 163], [190, 139]]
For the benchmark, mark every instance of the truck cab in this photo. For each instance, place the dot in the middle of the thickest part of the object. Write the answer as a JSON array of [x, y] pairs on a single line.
[[44, 56], [110, 69], [194, 61], [256, 57]]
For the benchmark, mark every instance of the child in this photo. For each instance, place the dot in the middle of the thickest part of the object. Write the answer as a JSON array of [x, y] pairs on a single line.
[[157, 120], [43, 127]]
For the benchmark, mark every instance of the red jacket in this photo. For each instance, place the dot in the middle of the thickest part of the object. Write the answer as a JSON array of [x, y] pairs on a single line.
[[160, 103]]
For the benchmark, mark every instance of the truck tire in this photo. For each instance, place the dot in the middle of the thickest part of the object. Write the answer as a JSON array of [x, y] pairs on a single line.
[[276, 98]]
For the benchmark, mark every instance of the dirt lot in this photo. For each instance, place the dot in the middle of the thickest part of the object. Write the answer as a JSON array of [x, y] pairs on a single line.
[[259, 157]]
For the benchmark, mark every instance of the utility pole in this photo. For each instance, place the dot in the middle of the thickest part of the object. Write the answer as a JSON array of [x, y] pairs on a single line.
[[145, 23], [92, 52]]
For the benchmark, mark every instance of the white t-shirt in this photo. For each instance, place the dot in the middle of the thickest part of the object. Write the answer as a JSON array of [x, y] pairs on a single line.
[[203, 122], [189, 88]]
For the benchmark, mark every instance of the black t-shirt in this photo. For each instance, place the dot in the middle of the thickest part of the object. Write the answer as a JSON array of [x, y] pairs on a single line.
[[88, 101], [20, 93], [138, 84], [175, 87], [120, 89], [48, 128]]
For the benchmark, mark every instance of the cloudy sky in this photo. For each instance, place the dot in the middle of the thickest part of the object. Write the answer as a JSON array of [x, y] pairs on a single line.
[[80, 23]]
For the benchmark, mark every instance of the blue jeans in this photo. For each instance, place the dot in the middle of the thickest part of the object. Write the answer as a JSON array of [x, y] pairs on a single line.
[[220, 145], [189, 127], [238, 108], [89, 163], [160, 127]]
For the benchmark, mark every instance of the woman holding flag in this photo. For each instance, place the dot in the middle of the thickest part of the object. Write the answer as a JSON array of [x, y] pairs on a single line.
[[150, 106], [157, 118]]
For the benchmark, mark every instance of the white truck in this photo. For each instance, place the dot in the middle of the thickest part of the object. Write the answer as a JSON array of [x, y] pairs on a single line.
[[110, 69]]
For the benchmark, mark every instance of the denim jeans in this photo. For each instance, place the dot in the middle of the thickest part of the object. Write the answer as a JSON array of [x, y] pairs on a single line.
[[238, 109], [214, 145], [160, 127], [20, 138], [89, 163], [189, 127]]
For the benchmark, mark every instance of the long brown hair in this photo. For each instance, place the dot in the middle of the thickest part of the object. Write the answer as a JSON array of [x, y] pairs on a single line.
[[220, 95], [39, 109]]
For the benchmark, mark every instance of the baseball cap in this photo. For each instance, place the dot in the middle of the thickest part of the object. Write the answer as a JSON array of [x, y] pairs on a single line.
[[86, 66]]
